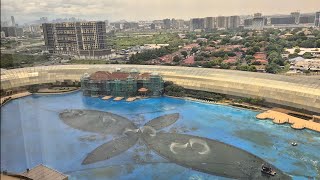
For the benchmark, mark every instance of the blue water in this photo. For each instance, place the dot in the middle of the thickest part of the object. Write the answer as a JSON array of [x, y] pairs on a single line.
[[32, 134]]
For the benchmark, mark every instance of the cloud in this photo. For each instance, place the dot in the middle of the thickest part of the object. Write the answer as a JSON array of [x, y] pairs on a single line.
[[29, 10]]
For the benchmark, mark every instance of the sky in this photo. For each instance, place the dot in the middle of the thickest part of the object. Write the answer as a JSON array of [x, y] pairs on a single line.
[[26, 11]]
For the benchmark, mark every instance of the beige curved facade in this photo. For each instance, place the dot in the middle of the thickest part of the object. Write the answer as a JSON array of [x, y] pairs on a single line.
[[300, 92]]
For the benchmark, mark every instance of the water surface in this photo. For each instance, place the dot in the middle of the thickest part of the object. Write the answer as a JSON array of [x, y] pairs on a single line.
[[32, 133]]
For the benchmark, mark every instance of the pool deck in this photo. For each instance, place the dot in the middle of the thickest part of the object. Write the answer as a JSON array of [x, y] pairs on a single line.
[[118, 98], [107, 97], [57, 90], [14, 96], [130, 99], [282, 118]]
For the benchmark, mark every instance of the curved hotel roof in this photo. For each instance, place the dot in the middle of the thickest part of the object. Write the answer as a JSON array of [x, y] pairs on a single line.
[[300, 92]]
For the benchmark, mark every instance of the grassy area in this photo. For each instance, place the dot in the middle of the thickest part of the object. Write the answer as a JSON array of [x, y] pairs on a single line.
[[9, 44], [133, 40], [17, 60]]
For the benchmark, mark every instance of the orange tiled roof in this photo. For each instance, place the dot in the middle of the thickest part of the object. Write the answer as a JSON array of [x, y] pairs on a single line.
[[42, 172], [104, 75], [189, 60], [100, 75], [260, 55], [143, 89]]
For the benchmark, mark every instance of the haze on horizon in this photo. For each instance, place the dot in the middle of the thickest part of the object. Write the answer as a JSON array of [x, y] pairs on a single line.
[[133, 10]]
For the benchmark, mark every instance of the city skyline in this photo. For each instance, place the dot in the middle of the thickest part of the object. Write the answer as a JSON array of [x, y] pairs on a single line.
[[114, 10]]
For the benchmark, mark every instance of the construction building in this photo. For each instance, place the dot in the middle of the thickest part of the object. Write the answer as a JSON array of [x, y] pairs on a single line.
[[121, 84], [83, 39]]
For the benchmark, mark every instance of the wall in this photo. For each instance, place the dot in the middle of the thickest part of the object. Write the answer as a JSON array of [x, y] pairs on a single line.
[[299, 92]]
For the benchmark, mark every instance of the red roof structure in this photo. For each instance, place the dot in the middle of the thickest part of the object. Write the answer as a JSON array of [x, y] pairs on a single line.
[[166, 59], [104, 75], [143, 89], [100, 75], [231, 60], [190, 46], [189, 60], [260, 55], [42, 172]]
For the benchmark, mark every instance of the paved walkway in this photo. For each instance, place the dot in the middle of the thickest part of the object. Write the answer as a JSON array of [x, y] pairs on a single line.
[[282, 118], [130, 99], [15, 96], [106, 97], [118, 98]]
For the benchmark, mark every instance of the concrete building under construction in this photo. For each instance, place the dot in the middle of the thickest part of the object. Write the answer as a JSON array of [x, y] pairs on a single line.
[[121, 84], [83, 39]]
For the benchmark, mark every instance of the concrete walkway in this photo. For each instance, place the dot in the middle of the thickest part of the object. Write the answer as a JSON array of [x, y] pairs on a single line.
[[130, 99], [107, 97], [118, 98], [14, 96]]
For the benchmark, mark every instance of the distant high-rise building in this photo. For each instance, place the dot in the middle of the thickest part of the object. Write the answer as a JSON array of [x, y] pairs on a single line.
[[9, 31], [209, 23], [130, 25], [307, 19], [174, 24], [107, 22], [177, 23], [258, 23], [296, 16], [196, 23], [257, 15], [222, 22], [4, 23], [153, 26], [247, 22], [167, 24], [84, 39], [13, 22], [234, 22], [19, 31], [317, 19], [3, 34], [283, 20]]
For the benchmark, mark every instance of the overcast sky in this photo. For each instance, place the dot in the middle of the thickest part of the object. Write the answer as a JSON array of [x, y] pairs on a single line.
[[30, 10]]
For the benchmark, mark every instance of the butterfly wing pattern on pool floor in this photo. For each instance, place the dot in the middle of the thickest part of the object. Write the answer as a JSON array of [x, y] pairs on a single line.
[[209, 156], [96, 121], [198, 153], [111, 149]]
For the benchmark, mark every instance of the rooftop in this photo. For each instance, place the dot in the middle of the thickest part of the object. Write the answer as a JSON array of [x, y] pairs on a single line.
[[42, 172], [105, 75], [189, 60]]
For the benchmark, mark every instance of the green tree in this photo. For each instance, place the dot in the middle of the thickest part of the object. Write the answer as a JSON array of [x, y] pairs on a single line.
[[297, 50], [33, 88], [249, 57], [184, 54], [272, 68], [224, 66], [194, 50], [252, 69], [294, 55], [176, 59], [174, 90], [307, 55], [318, 43], [309, 43]]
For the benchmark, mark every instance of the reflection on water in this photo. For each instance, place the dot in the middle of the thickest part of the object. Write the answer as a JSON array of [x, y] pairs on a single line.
[[32, 133]]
